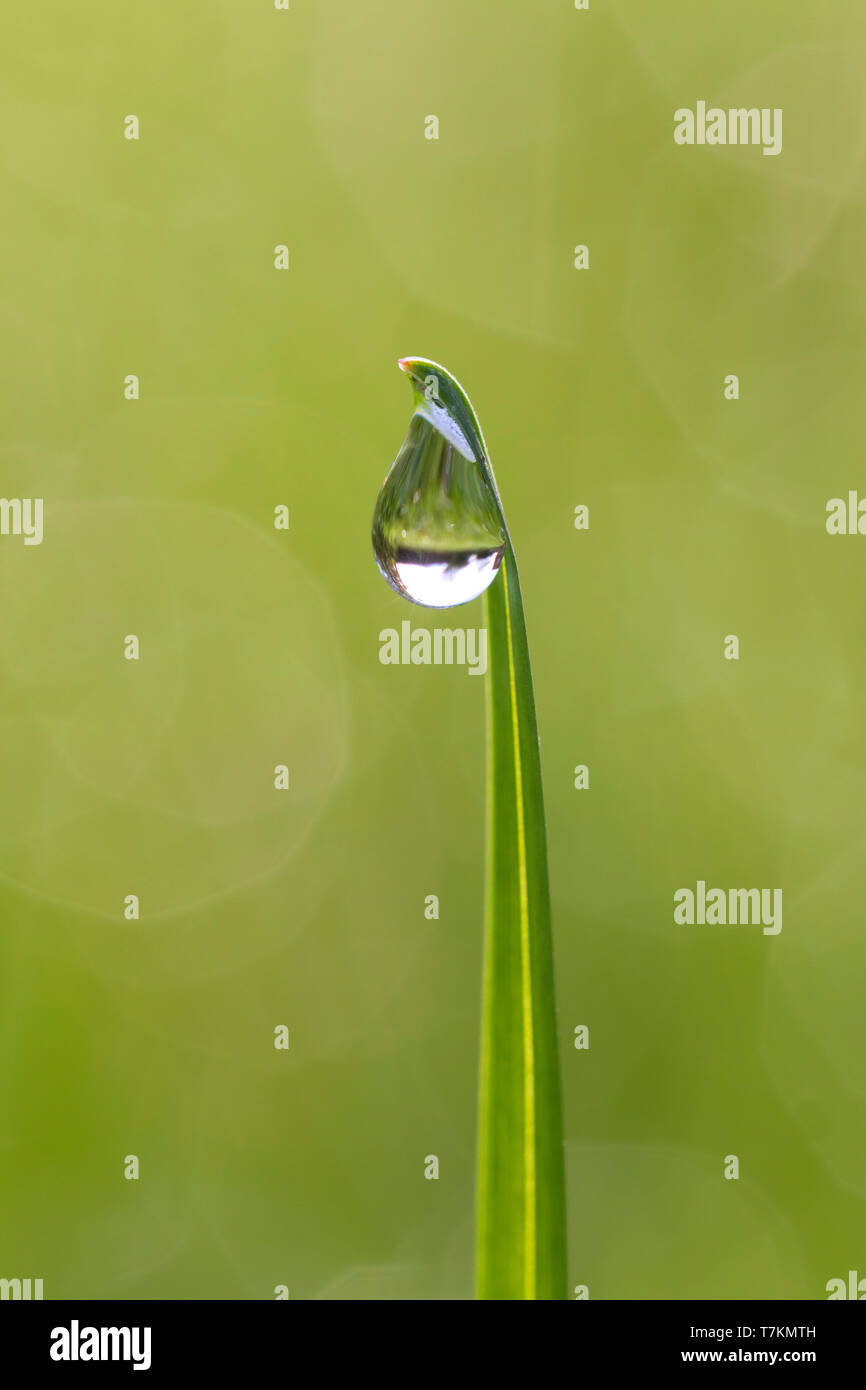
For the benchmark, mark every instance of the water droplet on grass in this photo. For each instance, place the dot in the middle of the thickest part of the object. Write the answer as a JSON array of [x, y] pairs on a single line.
[[438, 533]]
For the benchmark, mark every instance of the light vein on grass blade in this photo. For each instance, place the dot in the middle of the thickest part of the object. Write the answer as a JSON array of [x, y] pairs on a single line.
[[526, 976]]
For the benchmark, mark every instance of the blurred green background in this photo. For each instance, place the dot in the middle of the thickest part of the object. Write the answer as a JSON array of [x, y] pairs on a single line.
[[601, 387]]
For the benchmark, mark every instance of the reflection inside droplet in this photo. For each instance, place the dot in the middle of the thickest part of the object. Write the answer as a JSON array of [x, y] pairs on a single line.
[[443, 582]]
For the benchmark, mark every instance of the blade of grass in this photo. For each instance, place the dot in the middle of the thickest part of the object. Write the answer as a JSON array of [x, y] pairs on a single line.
[[521, 1241], [521, 1248]]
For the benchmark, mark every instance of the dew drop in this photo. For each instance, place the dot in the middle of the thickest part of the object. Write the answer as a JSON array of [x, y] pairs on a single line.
[[438, 534]]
